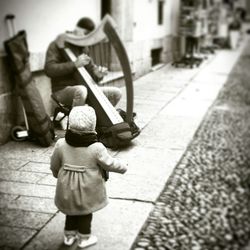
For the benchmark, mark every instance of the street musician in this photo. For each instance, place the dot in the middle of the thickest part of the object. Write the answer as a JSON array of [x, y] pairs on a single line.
[[61, 71]]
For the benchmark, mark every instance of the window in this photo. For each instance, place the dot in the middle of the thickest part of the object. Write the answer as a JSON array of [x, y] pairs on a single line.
[[156, 56], [160, 11]]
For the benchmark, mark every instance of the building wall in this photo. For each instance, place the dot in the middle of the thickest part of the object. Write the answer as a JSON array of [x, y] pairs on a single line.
[[44, 20], [248, 9], [149, 35]]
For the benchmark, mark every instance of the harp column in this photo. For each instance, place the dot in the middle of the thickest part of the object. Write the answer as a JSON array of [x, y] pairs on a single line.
[[122, 12]]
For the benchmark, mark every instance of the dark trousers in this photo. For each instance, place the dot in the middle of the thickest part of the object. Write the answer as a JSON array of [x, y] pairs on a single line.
[[80, 223]]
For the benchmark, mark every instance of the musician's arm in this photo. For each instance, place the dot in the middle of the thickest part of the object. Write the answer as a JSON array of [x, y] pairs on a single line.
[[55, 64], [93, 70]]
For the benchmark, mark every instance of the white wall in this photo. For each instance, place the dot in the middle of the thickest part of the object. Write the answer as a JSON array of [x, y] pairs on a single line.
[[174, 17], [45, 19], [146, 22]]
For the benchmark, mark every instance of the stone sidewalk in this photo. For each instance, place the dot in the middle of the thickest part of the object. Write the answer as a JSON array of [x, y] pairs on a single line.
[[170, 104]]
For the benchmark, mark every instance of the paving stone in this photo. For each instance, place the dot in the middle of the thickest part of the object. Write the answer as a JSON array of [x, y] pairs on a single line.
[[5, 199], [224, 62], [202, 92], [154, 160], [18, 152], [14, 164], [142, 94], [115, 227], [50, 149], [44, 158], [163, 86], [49, 179], [23, 219], [38, 167], [27, 189], [206, 76], [22, 150], [187, 107], [177, 73], [20, 176], [15, 237], [158, 97], [169, 132], [152, 111], [156, 104], [144, 119], [161, 80], [35, 204], [172, 87], [153, 104], [127, 187]]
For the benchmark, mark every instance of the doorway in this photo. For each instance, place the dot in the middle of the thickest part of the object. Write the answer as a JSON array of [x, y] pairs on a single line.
[[156, 56], [105, 7]]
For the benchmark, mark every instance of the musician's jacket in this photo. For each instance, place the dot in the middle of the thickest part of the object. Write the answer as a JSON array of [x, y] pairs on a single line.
[[80, 184], [61, 70]]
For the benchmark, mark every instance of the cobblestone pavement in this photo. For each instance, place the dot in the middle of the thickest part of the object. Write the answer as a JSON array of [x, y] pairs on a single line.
[[205, 203]]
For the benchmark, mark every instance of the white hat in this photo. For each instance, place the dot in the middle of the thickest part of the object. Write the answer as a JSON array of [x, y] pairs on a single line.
[[82, 119]]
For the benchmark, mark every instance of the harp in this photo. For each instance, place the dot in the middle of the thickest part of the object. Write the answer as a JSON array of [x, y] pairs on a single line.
[[103, 43]]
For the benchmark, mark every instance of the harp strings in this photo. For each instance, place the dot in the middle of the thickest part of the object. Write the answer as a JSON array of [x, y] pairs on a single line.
[[101, 55]]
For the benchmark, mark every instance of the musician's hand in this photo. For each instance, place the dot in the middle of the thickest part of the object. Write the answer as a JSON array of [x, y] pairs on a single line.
[[82, 60], [100, 71], [103, 70]]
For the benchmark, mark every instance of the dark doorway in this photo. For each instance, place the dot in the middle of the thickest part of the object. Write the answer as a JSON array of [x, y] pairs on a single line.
[[105, 8], [160, 11], [156, 56]]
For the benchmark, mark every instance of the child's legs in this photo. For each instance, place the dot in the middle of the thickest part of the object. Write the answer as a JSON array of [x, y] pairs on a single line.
[[71, 223], [84, 223]]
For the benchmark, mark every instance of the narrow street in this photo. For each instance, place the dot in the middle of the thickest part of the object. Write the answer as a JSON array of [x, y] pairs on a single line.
[[192, 150]]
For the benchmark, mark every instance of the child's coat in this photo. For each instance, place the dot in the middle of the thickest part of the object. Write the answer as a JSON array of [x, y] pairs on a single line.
[[80, 186]]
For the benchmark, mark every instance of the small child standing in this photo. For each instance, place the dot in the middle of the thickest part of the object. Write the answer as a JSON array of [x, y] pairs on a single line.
[[78, 162]]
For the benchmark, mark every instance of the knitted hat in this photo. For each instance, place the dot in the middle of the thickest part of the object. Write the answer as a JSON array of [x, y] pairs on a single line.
[[82, 119], [86, 23]]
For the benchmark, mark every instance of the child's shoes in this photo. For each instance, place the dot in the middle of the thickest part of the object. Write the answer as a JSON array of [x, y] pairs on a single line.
[[69, 237], [86, 240]]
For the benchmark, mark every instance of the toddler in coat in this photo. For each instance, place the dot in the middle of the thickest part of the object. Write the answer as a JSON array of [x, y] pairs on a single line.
[[79, 162]]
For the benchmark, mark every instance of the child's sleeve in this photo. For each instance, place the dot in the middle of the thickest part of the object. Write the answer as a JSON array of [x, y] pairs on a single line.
[[107, 162], [55, 161]]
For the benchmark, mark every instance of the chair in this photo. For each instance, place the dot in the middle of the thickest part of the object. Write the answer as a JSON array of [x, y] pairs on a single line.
[[61, 108]]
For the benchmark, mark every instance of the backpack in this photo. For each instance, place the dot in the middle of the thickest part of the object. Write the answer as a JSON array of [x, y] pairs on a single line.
[[118, 135]]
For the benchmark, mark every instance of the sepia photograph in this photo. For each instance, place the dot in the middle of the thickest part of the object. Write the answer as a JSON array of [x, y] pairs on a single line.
[[125, 124]]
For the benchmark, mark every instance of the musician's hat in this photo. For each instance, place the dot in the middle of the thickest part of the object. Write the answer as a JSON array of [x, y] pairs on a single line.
[[86, 23], [82, 119]]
